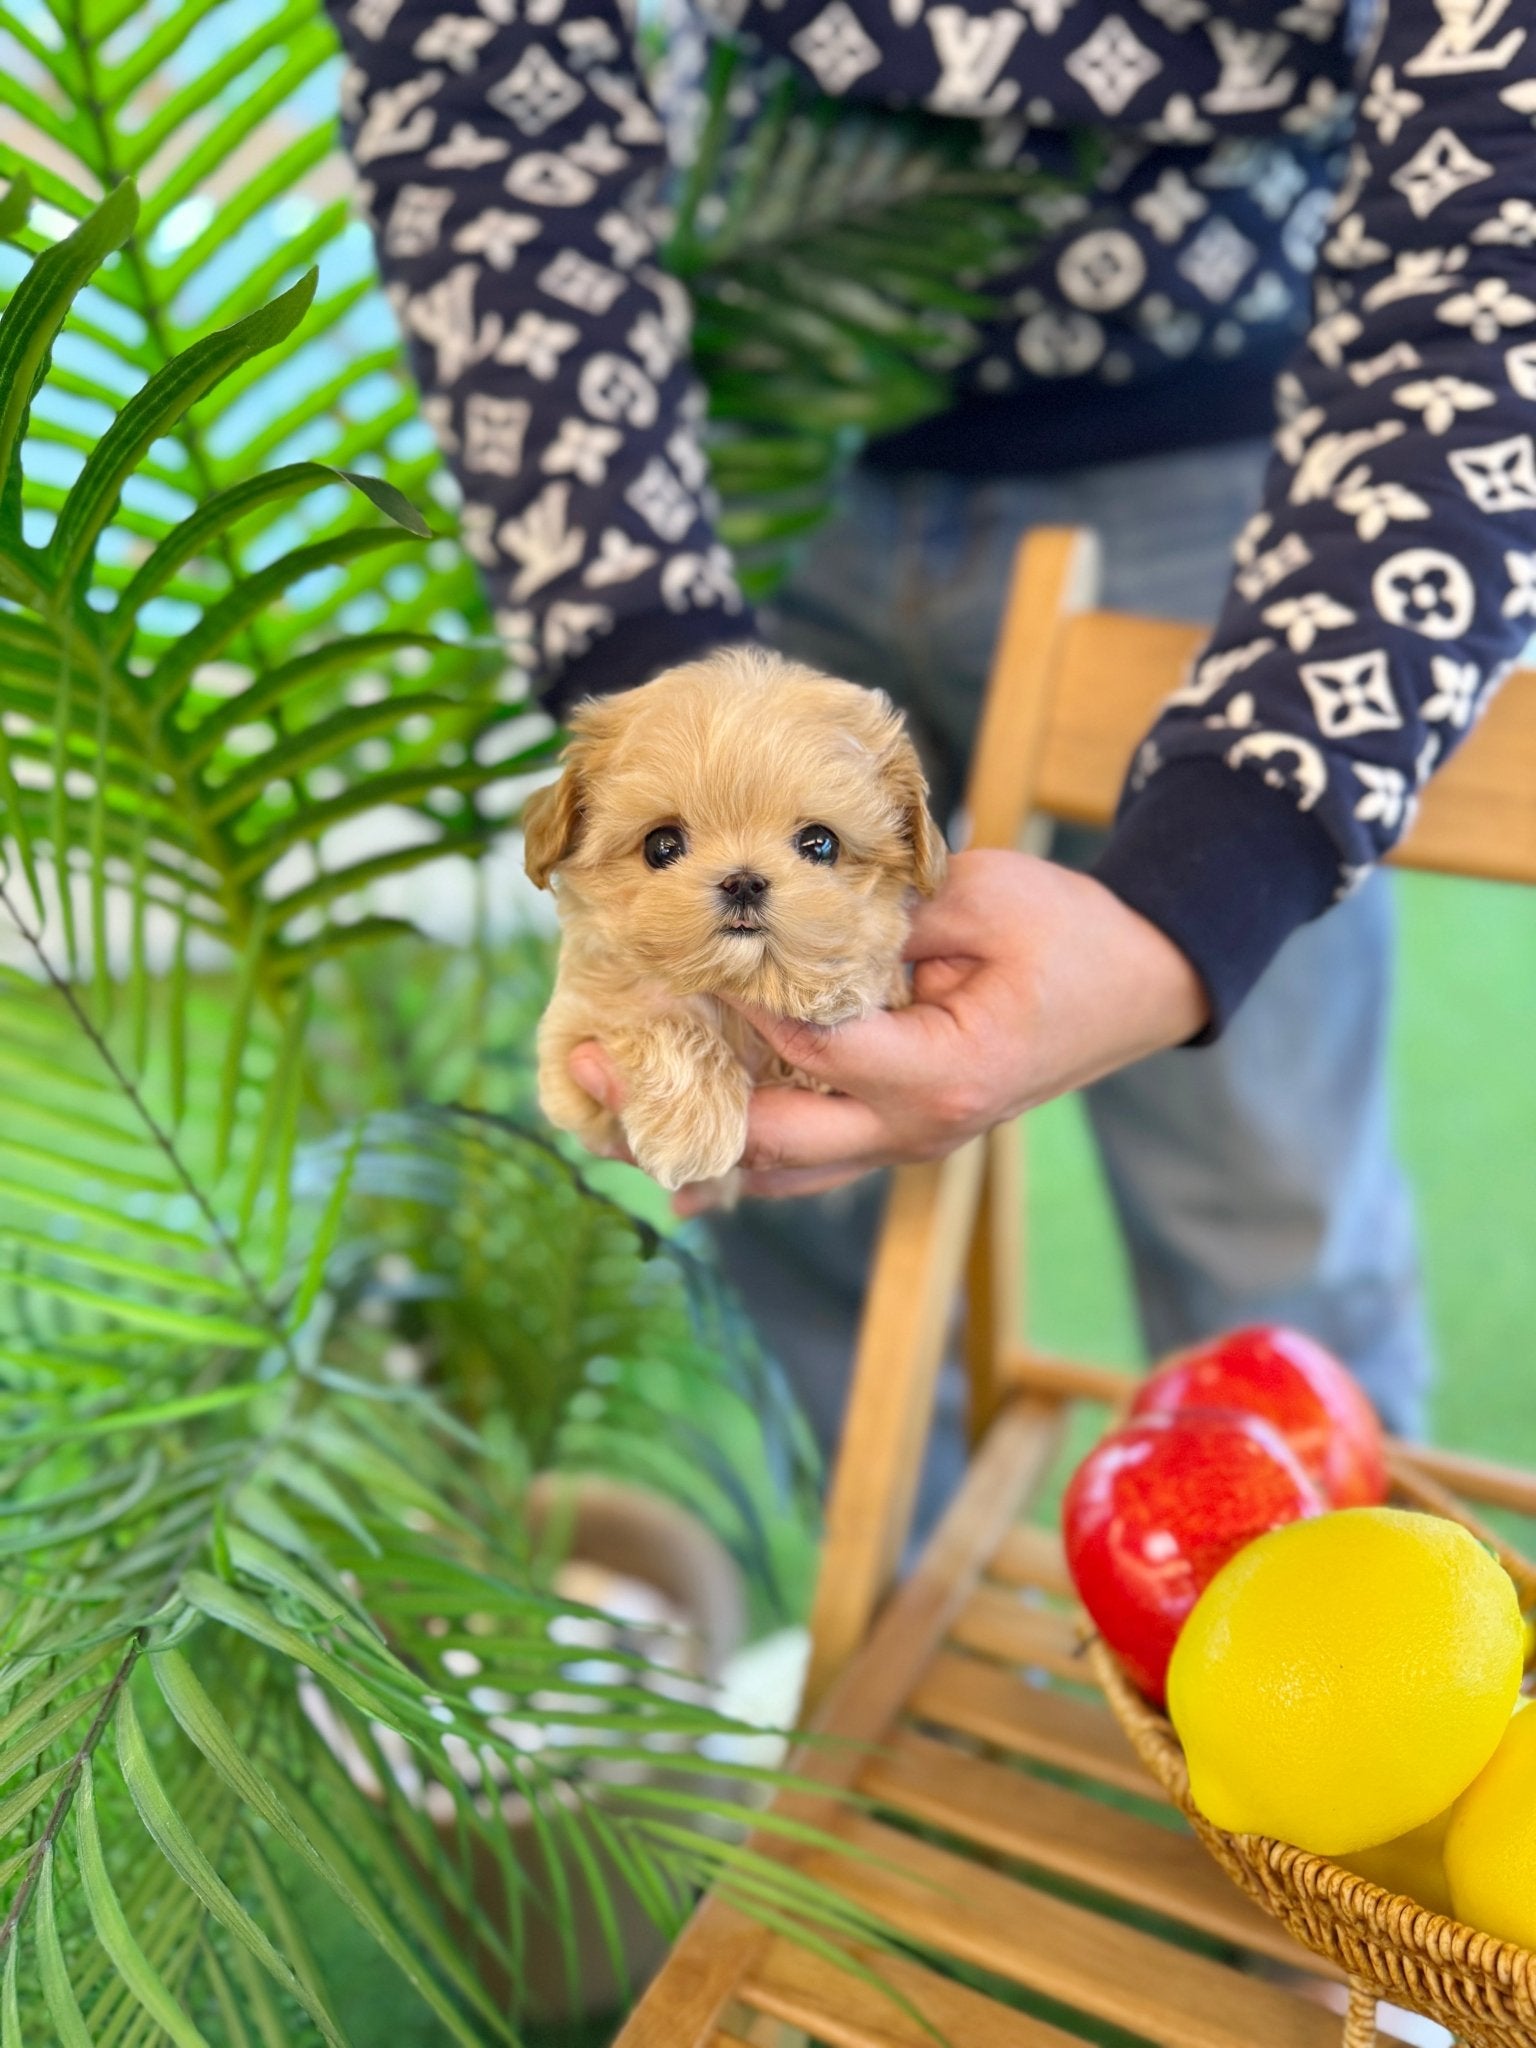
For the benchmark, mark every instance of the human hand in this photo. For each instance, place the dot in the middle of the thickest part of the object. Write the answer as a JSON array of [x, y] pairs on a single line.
[[1028, 980]]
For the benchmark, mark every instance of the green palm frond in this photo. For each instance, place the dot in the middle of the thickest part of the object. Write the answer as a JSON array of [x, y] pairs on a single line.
[[274, 1642], [608, 1341], [182, 728], [224, 117]]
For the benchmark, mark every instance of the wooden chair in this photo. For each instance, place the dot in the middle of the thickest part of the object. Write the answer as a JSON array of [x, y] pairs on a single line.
[[1004, 1826]]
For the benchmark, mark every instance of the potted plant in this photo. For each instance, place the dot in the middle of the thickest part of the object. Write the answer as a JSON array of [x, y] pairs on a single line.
[[223, 1493]]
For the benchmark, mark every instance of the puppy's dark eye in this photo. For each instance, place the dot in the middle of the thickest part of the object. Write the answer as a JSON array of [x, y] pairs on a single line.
[[817, 844], [665, 845]]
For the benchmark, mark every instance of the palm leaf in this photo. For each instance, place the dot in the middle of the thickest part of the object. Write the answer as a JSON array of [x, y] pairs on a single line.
[[191, 765], [225, 122]]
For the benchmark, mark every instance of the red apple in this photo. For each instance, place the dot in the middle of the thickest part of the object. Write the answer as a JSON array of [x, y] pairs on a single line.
[[1157, 1508], [1299, 1387]]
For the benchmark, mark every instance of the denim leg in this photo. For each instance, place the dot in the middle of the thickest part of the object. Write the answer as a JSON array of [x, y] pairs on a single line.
[[1256, 1179]]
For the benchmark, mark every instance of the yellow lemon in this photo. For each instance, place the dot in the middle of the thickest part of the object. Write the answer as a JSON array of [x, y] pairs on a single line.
[[1490, 1849], [1413, 1865], [1342, 1680]]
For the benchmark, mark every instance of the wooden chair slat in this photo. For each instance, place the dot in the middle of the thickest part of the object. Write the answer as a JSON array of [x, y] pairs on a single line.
[[998, 1624], [1065, 1379], [1479, 1479], [847, 2012], [1093, 1964], [971, 1697], [1113, 673], [1014, 1814], [1032, 1557]]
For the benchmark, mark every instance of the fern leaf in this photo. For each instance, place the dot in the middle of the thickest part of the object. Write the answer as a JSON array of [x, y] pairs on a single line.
[[153, 412], [58, 1992], [112, 1929]]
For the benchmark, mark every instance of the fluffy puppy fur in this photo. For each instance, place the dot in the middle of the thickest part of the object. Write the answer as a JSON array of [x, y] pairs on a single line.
[[741, 826]]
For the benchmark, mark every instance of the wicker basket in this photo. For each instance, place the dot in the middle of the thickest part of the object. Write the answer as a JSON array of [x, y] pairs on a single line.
[[1387, 1947]]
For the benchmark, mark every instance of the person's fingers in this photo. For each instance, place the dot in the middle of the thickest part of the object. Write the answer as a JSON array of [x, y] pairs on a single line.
[[593, 1072], [805, 1046], [936, 980], [791, 1127], [889, 1050]]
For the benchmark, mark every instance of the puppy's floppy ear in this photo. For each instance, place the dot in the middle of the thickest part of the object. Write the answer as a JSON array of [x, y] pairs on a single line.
[[552, 816], [551, 822], [908, 785]]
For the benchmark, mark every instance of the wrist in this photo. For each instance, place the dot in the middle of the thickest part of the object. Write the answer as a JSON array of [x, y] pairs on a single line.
[[1164, 999]]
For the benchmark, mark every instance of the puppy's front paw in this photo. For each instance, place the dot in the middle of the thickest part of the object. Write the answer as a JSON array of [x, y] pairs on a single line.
[[570, 1108], [679, 1139]]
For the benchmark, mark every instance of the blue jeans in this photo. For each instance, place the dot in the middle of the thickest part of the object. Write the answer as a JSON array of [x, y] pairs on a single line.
[[1254, 1179]]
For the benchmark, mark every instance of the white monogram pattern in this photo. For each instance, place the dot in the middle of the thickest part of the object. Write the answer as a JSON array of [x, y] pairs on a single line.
[[1443, 166], [836, 47], [1426, 590], [1113, 65], [1351, 695], [1454, 697]]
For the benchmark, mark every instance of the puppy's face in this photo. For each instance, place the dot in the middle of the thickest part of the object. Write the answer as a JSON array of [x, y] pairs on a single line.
[[744, 826]]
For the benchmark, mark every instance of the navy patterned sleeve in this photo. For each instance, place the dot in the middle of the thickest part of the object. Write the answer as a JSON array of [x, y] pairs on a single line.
[[511, 163], [1389, 579]]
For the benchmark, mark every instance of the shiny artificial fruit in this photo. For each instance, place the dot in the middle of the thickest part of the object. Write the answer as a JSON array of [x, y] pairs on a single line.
[[1157, 1508]]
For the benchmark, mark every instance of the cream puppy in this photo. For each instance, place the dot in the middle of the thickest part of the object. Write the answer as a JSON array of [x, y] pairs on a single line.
[[740, 827]]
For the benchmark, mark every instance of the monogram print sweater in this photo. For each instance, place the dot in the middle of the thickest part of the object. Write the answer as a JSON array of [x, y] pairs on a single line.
[[513, 158]]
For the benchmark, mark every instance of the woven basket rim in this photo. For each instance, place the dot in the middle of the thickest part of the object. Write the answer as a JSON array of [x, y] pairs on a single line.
[[1367, 1907]]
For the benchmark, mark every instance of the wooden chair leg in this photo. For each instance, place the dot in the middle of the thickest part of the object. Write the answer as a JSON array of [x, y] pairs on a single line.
[[994, 1316], [919, 1262]]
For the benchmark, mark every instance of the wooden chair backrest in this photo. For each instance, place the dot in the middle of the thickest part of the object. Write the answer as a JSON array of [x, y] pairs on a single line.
[[1072, 692]]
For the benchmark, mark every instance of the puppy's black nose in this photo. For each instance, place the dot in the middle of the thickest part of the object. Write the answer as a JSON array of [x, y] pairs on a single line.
[[744, 887]]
